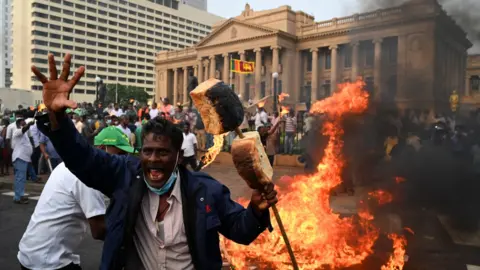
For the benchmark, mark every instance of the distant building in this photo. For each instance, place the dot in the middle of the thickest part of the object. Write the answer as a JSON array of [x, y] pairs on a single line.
[[413, 55], [200, 4], [5, 43], [115, 40]]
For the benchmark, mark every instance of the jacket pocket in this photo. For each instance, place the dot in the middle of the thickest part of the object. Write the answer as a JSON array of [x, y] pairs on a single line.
[[213, 222]]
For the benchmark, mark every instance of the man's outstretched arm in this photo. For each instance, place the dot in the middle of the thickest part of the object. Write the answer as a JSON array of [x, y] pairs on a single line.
[[92, 166]]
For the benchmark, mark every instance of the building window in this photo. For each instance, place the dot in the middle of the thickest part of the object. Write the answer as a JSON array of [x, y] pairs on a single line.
[[40, 60], [475, 83], [55, 27], [91, 92], [68, 12], [79, 32], [40, 15], [369, 55], [55, 45], [67, 38], [55, 9], [40, 33], [91, 18], [67, 47], [82, 24], [65, 20], [91, 51], [347, 56], [328, 60]]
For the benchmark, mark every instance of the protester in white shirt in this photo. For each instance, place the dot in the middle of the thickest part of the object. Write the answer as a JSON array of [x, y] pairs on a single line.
[[59, 223], [116, 110], [21, 156], [10, 128], [261, 118], [189, 147], [123, 126], [153, 111]]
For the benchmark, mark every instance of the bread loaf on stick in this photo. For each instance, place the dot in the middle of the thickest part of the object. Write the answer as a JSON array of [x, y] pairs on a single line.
[[219, 106], [251, 160]]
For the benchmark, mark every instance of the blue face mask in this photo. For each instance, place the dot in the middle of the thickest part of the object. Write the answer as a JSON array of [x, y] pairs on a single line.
[[168, 185]]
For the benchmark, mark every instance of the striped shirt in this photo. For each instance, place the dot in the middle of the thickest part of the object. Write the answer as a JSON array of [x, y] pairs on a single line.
[[291, 124]]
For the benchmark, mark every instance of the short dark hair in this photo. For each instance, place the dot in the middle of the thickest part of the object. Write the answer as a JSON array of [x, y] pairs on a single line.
[[162, 127]]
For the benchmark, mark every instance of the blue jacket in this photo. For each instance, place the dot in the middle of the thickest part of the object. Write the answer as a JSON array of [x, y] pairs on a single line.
[[121, 179]]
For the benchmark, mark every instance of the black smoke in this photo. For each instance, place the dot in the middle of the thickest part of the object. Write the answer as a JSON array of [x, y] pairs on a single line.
[[464, 12]]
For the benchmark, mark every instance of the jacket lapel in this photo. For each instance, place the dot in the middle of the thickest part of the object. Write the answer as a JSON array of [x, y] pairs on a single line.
[[135, 196]]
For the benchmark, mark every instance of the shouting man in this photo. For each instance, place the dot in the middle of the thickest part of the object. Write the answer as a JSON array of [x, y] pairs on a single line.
[[162, 215]]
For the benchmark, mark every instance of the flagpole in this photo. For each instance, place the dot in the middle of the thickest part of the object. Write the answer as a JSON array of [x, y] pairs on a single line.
[[231, 72]]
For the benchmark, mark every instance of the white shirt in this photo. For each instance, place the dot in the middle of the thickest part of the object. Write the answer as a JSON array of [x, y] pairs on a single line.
[[187, 146], [153, 113], [261, 118], [125, 131], [22, 148], [33, 132], [162, 245], [117, 113], [10, 128], [59, 222]]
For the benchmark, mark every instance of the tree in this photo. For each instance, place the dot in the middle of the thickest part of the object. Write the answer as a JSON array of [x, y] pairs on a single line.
[[125, 93]]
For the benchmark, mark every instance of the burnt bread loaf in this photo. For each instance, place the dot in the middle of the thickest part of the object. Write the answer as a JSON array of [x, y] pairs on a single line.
[[251, 160], [220, 108]]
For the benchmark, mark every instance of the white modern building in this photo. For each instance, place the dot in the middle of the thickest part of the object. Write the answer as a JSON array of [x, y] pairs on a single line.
[[5, 43], [116, 40]]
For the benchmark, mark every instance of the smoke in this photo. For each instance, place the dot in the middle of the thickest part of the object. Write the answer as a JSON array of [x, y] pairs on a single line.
[[464, 12]]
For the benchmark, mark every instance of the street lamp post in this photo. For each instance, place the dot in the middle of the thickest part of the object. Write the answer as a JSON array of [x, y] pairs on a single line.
[[98, 80], [275, 99]]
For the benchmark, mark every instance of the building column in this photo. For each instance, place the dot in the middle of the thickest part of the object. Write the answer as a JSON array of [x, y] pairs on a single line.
[[195, 70], [213, 66], [242, 78], [275, 58], [467, 86], [200, 70], [298, 71], [334, 68], [377, 71], [355, 47], [314, 75], [185, 85], [258, 73], [226, 68], [175, 86], [206, 70], [402, 68]]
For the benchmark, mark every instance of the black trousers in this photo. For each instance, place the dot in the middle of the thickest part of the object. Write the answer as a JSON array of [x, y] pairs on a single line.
[[35, 158], [71, 266], [192, 161]]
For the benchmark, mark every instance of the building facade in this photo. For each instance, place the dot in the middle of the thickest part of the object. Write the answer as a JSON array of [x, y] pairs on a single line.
[[412, 55], [115, 40], [471, 99], [5, 43]]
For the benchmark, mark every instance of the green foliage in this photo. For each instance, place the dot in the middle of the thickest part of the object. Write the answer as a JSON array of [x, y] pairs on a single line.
[[125, 93]]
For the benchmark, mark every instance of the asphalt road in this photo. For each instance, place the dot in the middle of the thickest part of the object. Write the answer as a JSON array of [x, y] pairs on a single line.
[[13, 222]]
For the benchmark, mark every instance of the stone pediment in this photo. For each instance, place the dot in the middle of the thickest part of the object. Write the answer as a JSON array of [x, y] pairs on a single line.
[[233, 30]]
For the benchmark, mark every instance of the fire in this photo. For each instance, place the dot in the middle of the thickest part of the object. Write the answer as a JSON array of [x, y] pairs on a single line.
[[261, 104], [319, 237], [282, 96], [382, 196], [213, 151], [399, 179], [397, 259], [284, 111]]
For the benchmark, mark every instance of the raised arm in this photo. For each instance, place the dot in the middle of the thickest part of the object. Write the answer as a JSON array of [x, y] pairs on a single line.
[[92, 166]]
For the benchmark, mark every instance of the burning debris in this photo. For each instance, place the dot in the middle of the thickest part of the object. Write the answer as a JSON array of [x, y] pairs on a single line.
[[319, 237], [382, 196], [282, 96]]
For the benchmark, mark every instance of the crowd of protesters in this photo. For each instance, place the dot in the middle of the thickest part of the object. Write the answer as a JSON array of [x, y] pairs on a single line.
[[30, 153]]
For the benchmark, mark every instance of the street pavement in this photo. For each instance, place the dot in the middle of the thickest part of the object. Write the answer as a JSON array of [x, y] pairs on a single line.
[[434, 246]]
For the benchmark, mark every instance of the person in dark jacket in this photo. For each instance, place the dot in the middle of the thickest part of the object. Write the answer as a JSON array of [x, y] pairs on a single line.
[[161, 215]]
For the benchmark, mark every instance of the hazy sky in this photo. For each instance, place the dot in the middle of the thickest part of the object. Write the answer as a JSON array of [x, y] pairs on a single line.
[[321, 9]]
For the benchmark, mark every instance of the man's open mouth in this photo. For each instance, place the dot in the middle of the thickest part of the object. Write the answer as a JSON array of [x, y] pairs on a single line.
[[155, 174]]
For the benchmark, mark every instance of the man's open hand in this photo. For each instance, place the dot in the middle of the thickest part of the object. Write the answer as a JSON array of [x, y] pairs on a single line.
[[56, 90]]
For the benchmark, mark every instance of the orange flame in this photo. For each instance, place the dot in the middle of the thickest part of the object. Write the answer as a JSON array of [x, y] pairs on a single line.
[[282, 96], [319, 237], [382, 196], [397, 259], [399, 179], [213, 151], [261, 104], [284, 111]]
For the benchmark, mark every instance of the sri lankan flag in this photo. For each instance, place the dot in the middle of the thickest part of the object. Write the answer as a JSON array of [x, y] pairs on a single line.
[[239, 66]]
